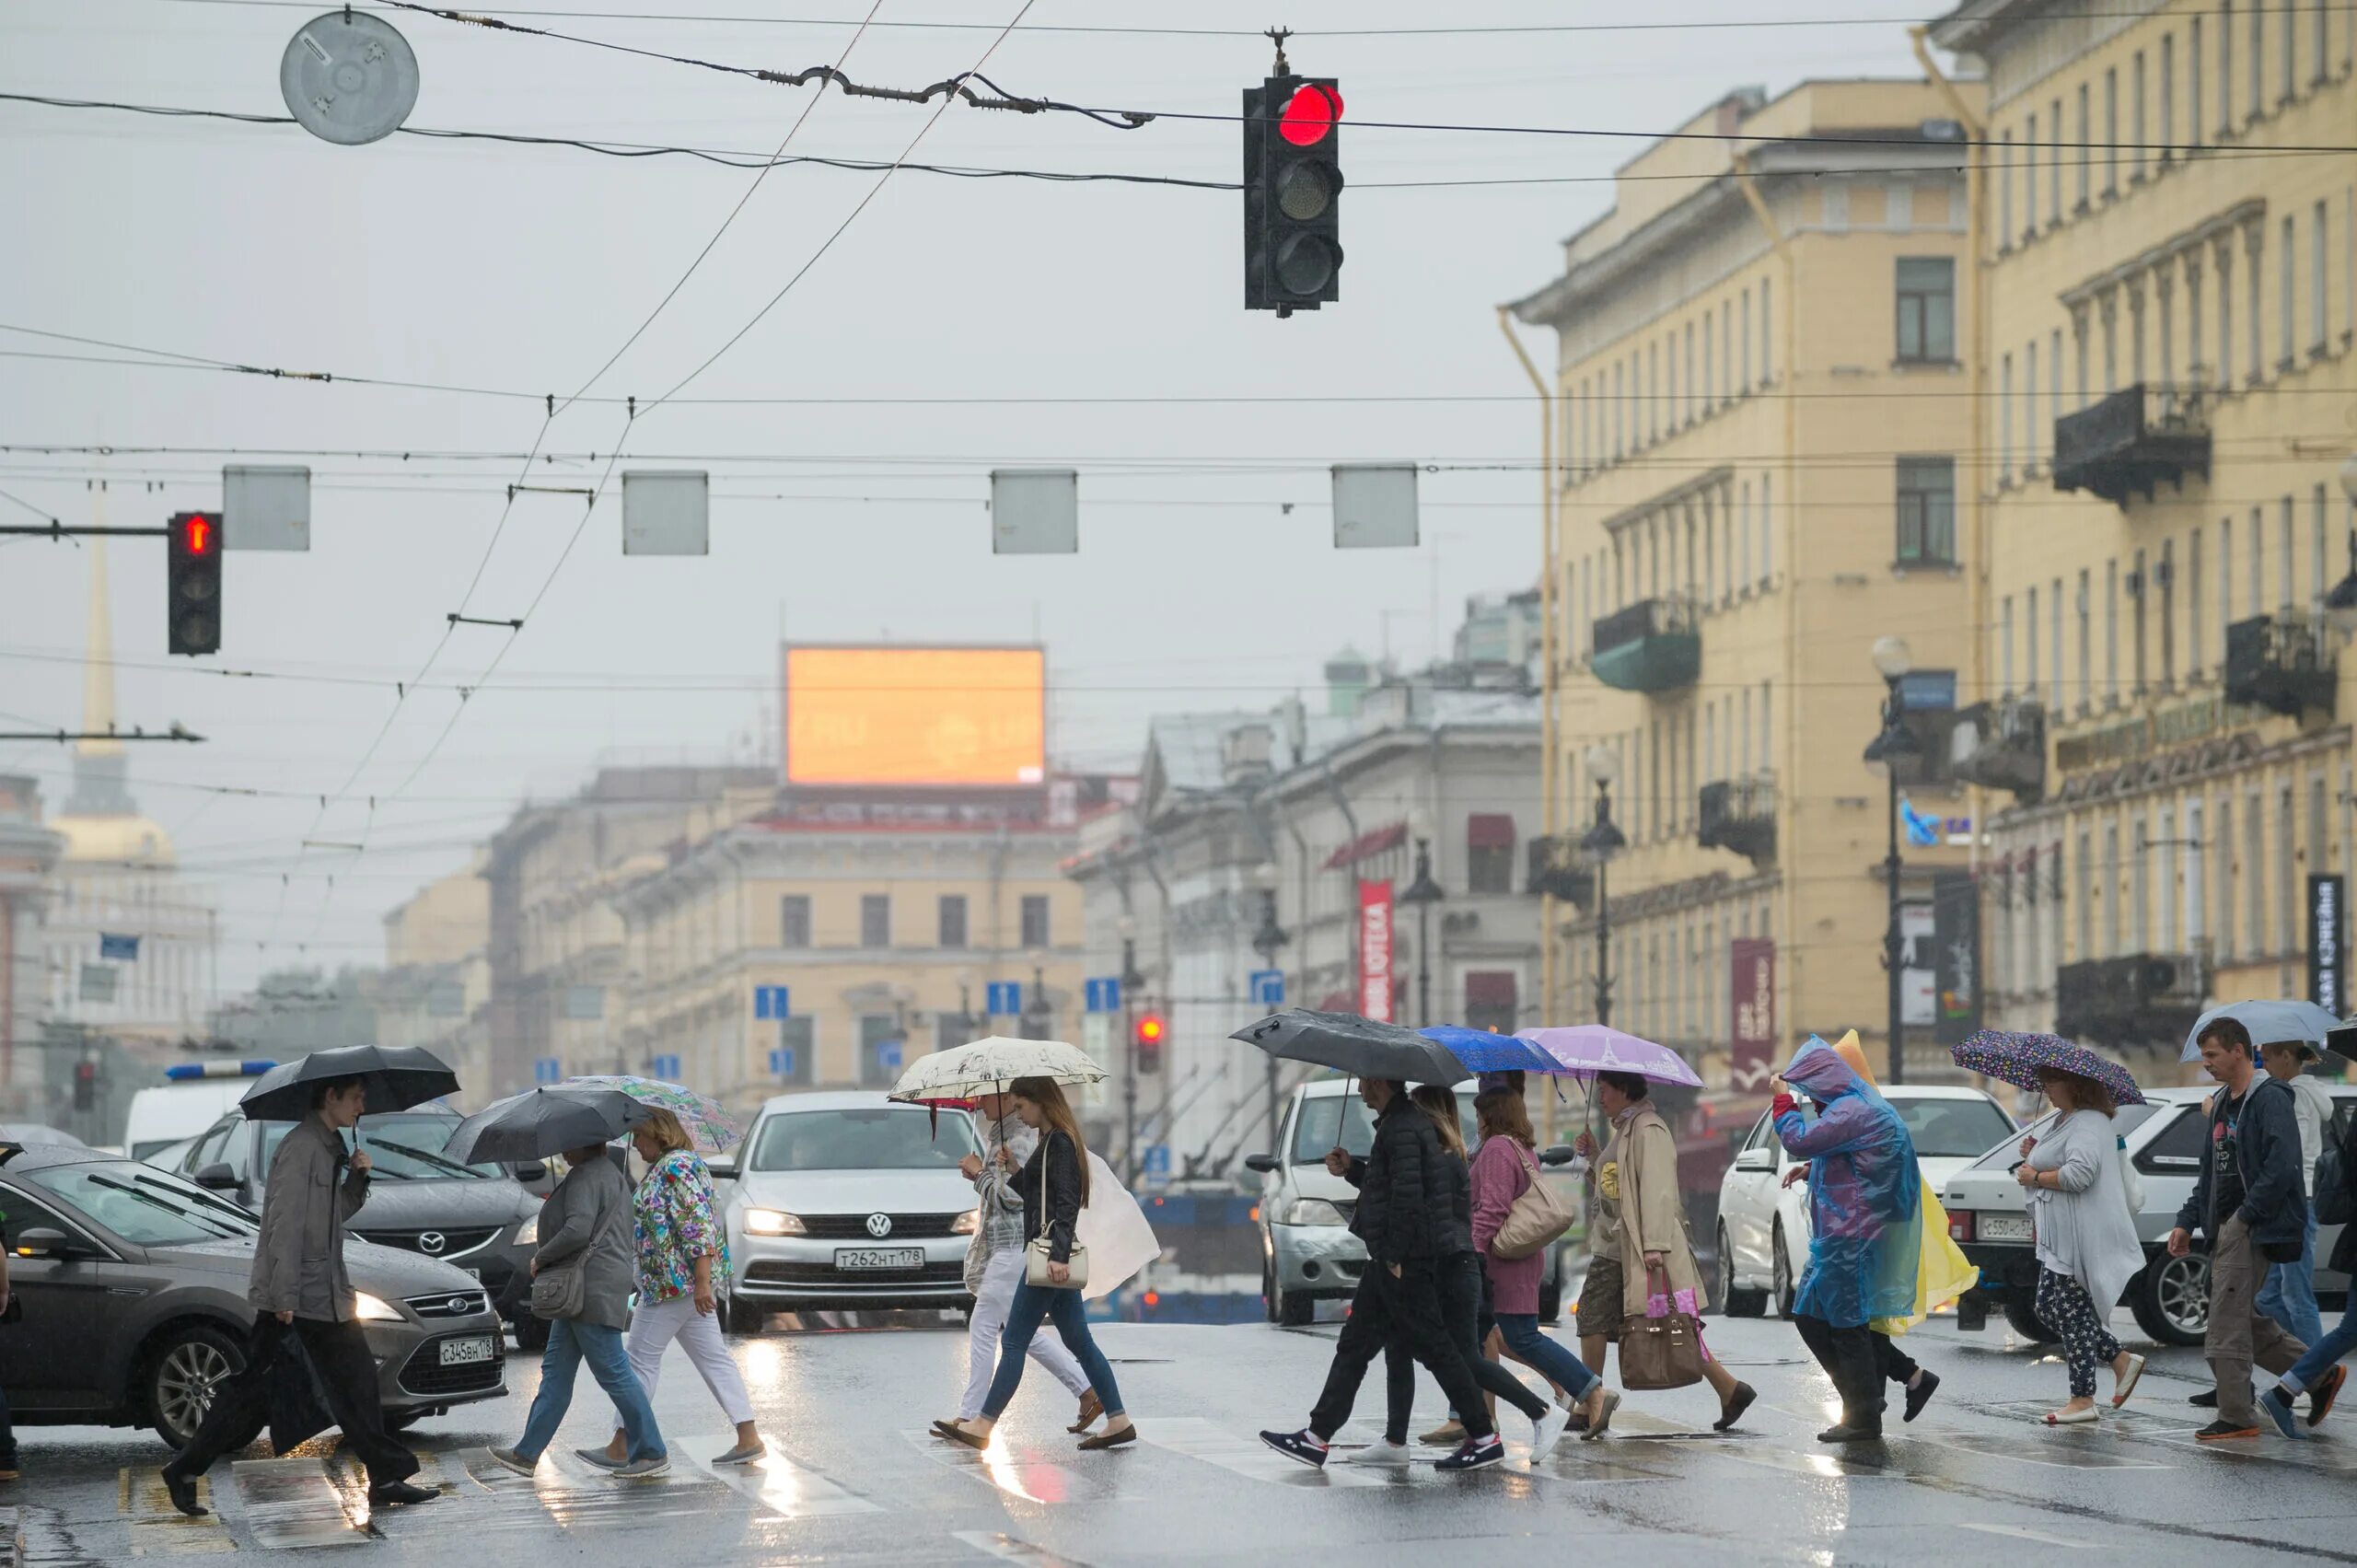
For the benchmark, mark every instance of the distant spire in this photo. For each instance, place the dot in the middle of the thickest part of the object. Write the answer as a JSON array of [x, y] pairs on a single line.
[[99, 766]]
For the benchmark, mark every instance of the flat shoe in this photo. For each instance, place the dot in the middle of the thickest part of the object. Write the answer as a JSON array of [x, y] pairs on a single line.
[[971, 1439], [1113, 1438], [1446, 1435], [945, 1428], [1603, 1422], [742, 1453], [2072, 1418], [2128, 1384], [1091, 1407], [1732, 1412]]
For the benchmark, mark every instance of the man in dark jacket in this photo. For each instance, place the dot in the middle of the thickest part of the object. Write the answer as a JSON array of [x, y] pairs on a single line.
[[1404, 1215], [2251, 1201]]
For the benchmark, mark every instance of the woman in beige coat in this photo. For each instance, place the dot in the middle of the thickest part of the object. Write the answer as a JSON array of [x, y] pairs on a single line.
[[1641, 1235]]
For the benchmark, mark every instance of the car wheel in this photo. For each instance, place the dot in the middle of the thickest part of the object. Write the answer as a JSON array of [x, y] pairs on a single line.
[[184, 1376], [1293, 1309], [1551, 1301], [1269, 1290], [2022, 1313], [745, 1320], [401, 1420], [1783, 1289], [532, 1332], [1734, 1301], [2171, 1298]]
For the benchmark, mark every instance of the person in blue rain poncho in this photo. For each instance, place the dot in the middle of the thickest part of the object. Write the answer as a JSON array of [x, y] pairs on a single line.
[[1865, 1224]]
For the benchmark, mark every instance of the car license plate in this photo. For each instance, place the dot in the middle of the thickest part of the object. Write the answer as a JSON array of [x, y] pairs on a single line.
[[850, 1258], [2003, 1227], [466, 1352]]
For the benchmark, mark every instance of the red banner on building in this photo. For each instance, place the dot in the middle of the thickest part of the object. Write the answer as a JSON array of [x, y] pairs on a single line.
[[1753, 989], [1375, 948]]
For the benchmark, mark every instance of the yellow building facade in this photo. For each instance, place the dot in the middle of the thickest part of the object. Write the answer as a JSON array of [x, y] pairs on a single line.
[[1763, 422], [2171, 396]]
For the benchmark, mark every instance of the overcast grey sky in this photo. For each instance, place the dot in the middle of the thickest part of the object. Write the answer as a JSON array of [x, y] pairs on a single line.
[[488, 265]]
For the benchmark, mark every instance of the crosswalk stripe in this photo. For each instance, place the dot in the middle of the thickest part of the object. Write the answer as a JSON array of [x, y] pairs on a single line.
[[291, 1502], [158, 1529], [1019, 1473], [1248, 1457], [1009, 1549], [783, 1487]]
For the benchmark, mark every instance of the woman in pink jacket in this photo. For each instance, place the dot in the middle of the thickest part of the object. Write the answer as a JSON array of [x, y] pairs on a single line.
[[1504, 1168]]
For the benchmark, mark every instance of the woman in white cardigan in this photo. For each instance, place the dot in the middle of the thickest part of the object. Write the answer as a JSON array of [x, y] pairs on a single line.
[[2087, 1250]]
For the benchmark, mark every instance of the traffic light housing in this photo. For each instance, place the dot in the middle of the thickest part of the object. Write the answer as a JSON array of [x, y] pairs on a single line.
[[1147, 1034], [193, 579], [85, 1086], [1292, 190]]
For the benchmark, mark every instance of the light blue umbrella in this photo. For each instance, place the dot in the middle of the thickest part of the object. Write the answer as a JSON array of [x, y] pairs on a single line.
[[2268, 1022], [1482, 1051]]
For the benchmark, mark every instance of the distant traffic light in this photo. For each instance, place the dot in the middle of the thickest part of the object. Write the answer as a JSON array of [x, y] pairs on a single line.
[[1147, 1034], [193, 576], [1292, 187], [85, 1086]]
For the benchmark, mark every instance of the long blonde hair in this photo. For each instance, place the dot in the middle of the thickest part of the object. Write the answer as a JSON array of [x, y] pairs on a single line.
[[1440, 1104], [1048, 1096]]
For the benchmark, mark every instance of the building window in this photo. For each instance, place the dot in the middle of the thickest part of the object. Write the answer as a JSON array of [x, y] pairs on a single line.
[[1767, 536], [1927, 308], [2111, 131], [2111, 949], [879, 1050], [2029, 185], [2112, 631], [2286, 308], [2318, 574], [2054, 163], [2168, 94], [1710, 370], [2140, 914], [1767, 355], [2284, 513], [875, 919], [1488, 853], [2320, 271], [1492, 1000], [1926, 511], [2168, 903], [2029, 670], [2167, 573], [2054, 703], [2257, 61], [1746, 384], [2086, 948], [2226, 878], [2193, 83], [2226, 68], [2226, 584], [953, 920], [794, 921], [2254, 877], [2085, 149], [2006, 644], [797, 1047], [2287, 894], [2196, 909], [2258, 560], [1035, 920], [2195, 643], [2029, 406], [2086, 637], [2136, 110]]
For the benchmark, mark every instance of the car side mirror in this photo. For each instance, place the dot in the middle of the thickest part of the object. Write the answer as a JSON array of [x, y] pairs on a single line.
[[722, 1166], [1558, 1153], [54, 1245], [1264, 1164], [216, 1177], [531, 1170], [1756, 1159]]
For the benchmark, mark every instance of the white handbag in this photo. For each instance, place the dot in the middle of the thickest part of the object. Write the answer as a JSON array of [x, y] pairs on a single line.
[[1035, 1257]]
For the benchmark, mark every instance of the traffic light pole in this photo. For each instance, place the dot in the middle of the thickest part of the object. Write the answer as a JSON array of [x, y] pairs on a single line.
[[55, 529], [1130, 979]]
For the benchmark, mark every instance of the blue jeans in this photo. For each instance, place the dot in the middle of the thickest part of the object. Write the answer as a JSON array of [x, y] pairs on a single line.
[[2289, 1292], [1062, 1307], [1520, 1332], [571, 1342], [2323, 1352]]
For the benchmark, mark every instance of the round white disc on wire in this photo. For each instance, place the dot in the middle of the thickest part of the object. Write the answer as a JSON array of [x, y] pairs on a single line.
[[348, 78]]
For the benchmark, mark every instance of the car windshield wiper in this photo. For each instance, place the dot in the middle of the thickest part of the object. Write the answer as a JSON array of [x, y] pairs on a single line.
[[426, 1157], [184, 1215]]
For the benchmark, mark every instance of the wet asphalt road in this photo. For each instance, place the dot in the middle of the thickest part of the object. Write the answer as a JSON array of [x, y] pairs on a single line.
[[855, 1479]]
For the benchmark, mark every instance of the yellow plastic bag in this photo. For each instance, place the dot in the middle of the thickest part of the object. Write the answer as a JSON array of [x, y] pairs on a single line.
[[1941, 1273]]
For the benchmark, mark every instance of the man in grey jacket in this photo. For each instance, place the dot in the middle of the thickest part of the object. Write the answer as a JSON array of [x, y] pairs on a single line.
[[299, 1287]]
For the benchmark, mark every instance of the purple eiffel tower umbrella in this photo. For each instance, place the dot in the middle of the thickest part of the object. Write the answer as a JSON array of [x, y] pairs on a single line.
[[1586, 1050]]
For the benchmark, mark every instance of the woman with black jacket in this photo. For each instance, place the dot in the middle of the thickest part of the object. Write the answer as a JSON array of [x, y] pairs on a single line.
[[1055, 1184]]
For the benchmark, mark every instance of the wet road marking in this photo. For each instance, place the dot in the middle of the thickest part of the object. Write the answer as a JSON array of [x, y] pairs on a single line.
[[158, 1529], [2023, 1532], [291, 1503], [784, 1488], [1019, 1473], [2065, 1451], [1827, 1463], [1255, 1461], [1009, 1549]]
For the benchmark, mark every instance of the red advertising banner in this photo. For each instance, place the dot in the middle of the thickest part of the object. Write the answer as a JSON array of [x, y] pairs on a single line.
[[1753, 989], [1375, 948]]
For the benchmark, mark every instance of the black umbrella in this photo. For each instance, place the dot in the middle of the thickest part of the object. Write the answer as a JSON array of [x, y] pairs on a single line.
[[397, 1078], [540, 1123], [1360, 1047]]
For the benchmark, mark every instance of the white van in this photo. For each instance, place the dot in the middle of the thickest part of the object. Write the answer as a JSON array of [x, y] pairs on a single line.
[[195, 1095]]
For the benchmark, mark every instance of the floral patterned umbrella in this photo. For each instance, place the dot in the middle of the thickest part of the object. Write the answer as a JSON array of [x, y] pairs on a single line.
[[713, 1129], [2016, 1059]]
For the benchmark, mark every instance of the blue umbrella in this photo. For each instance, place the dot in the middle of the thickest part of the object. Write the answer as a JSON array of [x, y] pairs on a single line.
[[1482, 1051], [2268, 1022]]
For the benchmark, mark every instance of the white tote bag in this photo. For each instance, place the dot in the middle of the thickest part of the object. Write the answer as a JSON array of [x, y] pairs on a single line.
[[1114, 1230]]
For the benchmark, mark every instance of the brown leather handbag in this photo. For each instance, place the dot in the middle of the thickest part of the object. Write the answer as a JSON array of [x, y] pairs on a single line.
[[1663, 1348]]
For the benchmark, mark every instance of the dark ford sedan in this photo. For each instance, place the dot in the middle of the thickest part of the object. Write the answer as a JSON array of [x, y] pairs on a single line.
[[133, 1286]]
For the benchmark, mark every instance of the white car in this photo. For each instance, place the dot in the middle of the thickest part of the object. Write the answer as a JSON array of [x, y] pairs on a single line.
[[847, 1201], [1763, 1224], [193, 1096]]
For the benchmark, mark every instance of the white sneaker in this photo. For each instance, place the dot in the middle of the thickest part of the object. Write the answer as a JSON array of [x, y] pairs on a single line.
[[1546, 1429], [1382, 1451]]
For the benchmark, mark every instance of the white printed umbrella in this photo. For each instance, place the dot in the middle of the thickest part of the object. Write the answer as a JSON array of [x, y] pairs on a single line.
[[987, 1066]]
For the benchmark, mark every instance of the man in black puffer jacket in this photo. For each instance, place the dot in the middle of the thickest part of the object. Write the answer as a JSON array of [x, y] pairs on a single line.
[[1404, 1215]]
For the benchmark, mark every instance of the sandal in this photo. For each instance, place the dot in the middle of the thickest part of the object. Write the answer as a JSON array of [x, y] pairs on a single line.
[[1111, 1437], [957, 1434], [2128, 1384]]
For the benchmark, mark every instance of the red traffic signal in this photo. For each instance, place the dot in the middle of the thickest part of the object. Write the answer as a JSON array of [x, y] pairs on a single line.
[[1309, 115], [192, 583], [1148, 1034]]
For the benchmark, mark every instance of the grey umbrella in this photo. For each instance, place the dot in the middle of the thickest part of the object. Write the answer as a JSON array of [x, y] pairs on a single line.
[[1360, 1047], [540, 1123]]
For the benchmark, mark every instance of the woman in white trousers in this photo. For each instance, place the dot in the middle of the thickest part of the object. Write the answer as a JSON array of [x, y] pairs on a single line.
[[683, 1264]]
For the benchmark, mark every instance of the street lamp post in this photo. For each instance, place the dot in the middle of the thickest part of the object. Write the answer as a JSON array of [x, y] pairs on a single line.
[[1892, 661], [1131, 980], [1600, 843], [1424, 893], [1269, 941]]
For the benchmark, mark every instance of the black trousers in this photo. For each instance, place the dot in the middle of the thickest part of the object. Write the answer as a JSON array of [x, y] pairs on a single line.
[[1850, 1358], [1892, 1363], [347, 1372], [1464, 1289], [1410, 1307]]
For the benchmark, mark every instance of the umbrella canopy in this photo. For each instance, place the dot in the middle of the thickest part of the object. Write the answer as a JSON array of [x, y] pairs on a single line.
[[1360, 1047], [2016, 1059], [395, 1077], [2268, 1022], [1482, 1051], [713, 1129], [1586, 1050], [544, 1122], [987, 1066]]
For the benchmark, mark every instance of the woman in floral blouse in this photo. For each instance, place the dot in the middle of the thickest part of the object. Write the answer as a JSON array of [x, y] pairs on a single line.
[[682, 1266]]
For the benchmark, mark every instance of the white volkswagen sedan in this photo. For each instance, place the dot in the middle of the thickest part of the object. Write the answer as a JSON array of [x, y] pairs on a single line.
[[846, 1201], [1763, 1225]]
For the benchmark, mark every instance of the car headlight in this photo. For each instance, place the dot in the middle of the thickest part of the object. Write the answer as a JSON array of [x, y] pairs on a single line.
[[370, 1309], [773, 1221], [967, 1223], [529, 1233], [1310, 1211]]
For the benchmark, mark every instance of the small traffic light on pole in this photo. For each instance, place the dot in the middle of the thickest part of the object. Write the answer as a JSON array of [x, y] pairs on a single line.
[[193, 579], [1148, 1037], [1293, 188]]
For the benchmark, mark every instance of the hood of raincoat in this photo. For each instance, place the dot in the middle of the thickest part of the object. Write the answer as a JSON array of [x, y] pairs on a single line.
[[1865, 1193]]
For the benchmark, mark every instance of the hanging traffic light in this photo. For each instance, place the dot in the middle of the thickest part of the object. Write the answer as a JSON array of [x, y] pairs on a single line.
[[1292, 186], [192, 581], [1147, 1034]]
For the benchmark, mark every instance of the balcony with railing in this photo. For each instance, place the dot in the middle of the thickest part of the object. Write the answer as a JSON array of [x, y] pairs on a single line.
[[1575, 885], [1653, 646], [2131, 440], [2001, 745], [2140, 999], [2283, 663], [1739, 815]]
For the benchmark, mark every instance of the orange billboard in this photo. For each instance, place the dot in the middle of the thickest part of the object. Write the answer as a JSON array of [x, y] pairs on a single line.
[[945, 718]]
